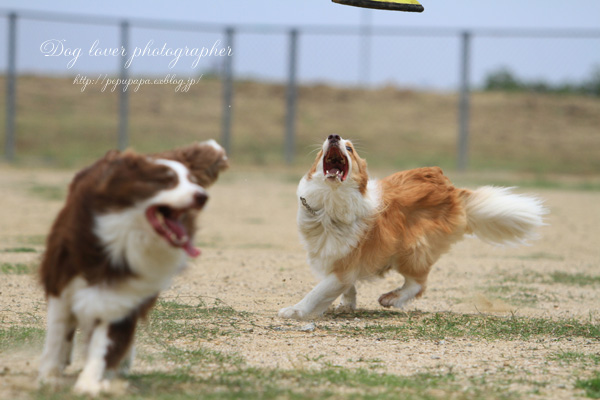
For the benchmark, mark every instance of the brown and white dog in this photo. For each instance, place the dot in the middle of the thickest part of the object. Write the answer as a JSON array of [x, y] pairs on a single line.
[[355, 228], [126, 229]]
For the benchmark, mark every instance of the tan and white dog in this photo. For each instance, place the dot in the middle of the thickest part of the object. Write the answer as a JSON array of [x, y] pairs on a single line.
[[355, 228]]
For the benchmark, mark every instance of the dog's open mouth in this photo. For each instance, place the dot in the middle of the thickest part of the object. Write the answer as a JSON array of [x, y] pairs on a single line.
[[167, 222], [335, 164]]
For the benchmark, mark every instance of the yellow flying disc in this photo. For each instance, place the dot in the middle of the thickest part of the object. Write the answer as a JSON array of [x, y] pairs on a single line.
[[395, 5]]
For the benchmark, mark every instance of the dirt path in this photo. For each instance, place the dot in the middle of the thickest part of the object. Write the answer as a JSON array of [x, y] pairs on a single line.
[[253, 262]]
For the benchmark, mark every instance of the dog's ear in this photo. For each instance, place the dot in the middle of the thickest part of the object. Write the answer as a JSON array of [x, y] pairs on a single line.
[[111, 166], [205, 160], [130, 177], [108, 157]]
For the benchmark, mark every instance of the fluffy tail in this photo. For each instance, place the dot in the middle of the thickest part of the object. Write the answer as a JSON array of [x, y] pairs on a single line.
[[499, 216]]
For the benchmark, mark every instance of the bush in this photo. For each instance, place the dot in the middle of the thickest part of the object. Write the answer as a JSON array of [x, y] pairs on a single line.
[[504, 79]]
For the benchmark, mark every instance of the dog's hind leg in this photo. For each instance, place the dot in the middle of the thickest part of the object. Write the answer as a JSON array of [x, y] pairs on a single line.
[[317, 300], [59, 340], [399, 297], [348, 300], [127, 361]]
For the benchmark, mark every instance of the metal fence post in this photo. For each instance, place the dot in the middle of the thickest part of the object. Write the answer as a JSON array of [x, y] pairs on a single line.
[[227, 92], [291, 98], [11, 88], [463, 107], [123, 139]]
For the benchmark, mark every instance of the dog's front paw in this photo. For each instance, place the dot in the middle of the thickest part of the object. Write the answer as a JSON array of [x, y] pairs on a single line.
[[292, 312], [52, 379], [396, 299], [345, 308], [90, 387]]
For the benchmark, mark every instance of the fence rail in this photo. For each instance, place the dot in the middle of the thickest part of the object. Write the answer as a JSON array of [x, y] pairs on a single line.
[[294, 34]]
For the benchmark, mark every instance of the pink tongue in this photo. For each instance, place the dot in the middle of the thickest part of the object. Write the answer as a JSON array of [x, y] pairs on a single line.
[[334, 171], [179, 230], [176, 227], [190, 249]]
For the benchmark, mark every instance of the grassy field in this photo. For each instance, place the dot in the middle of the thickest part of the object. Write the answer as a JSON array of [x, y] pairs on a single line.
[[58, 125]]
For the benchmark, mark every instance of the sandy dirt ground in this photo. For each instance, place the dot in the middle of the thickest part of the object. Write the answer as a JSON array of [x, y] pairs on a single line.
[[252, 261]]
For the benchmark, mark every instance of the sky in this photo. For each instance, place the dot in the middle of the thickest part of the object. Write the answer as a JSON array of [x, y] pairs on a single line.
[[430, 62]]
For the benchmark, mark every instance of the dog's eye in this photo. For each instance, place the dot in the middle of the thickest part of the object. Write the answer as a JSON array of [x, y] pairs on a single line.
[[349, 149]]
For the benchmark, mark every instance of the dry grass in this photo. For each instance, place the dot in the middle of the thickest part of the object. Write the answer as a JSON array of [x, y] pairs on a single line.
[[59, 125]]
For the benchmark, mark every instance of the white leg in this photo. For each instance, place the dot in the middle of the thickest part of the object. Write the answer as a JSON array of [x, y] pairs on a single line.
[[348, 300], [317, 300], [127, 361], [57, 348], [90, 379], [399, 297]]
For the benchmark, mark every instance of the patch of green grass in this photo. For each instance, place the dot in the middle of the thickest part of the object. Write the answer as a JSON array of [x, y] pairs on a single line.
[[591, 386], [201, 356], [166, 309], [526, 297], [172, 320], [19, 336], [259, 383], [371, 314], [541, 256], [15, 269], [32, 240], [575, 357], [19, 250], [578, 279], [444, 325], [524, 276], [517, 294]]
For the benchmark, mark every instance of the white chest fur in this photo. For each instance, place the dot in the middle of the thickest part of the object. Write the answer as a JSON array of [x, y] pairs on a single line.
[[337, 219], [128, 240]]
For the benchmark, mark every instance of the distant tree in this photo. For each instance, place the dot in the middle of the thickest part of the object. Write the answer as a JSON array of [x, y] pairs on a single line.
[[502, 79], [505, 80], [592, 86]]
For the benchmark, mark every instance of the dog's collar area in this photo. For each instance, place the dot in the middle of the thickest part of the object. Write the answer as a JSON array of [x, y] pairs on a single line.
[[308, 208]]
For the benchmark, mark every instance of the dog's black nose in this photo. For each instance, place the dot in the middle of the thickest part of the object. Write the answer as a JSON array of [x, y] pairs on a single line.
[[334, 138], [200, 199]]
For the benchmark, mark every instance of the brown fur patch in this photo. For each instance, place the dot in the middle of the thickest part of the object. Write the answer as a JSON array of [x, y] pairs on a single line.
[[421, 215], [313, 168], [121, 333], [359, 169], [204, 161]]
